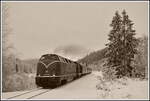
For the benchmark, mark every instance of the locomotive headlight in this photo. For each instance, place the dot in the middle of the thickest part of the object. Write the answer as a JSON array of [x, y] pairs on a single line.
[[53, 75]]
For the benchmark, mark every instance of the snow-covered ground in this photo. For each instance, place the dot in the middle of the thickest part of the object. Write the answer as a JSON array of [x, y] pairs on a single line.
[[132, 89], [83, 88], [124, 88], [86, 88], [6, 95]]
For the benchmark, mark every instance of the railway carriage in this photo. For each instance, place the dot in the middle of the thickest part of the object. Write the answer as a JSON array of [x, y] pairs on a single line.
[[54, 70]]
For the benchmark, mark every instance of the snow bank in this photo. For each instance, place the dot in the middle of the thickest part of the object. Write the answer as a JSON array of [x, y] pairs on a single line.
[[124, 88]]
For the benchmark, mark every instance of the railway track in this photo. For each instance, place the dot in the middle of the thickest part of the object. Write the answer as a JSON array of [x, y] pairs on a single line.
[[30, 94], [33, 93]]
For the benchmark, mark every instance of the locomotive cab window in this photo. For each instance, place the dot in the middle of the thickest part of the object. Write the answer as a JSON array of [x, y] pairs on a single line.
[[50, 57], [67, 61]]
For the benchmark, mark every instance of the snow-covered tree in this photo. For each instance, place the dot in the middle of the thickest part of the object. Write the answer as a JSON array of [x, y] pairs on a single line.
[[122, 45]]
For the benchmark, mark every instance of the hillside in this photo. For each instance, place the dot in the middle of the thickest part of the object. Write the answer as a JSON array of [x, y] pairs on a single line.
[[94, 56]]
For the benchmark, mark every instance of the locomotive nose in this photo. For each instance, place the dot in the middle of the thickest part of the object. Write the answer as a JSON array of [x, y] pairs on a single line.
[[50, 69], [46, 72]]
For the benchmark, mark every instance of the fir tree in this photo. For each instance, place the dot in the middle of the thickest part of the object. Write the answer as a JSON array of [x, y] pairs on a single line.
[[122, 45]]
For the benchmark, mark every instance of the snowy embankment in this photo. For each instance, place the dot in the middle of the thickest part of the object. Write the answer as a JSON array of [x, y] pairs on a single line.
[[124, 88]]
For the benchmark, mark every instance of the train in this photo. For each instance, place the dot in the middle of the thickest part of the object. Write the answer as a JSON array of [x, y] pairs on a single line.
[[54, 70]]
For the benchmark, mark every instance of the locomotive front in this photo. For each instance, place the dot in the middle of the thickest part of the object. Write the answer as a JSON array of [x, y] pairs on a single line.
[[48, 70]]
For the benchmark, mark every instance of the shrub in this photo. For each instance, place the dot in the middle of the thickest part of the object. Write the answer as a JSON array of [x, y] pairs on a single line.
[[18, 82]]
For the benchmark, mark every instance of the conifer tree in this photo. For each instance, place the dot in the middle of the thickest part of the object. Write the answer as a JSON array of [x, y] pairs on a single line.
[[122, 45]]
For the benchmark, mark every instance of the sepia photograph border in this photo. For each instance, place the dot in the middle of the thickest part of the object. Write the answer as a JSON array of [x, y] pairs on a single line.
[[3, 1]]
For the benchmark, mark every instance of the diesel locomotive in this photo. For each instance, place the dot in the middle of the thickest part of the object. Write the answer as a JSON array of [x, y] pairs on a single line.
[[54, 70]]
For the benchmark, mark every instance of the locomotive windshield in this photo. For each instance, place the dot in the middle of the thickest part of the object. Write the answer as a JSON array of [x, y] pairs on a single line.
[[49, 57]]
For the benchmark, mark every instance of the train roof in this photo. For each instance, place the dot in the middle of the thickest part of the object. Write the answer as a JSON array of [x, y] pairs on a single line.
[[47, 55], [59, 57]]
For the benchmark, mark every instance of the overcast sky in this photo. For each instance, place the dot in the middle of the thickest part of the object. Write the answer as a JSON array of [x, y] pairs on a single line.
[[71, 29]]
